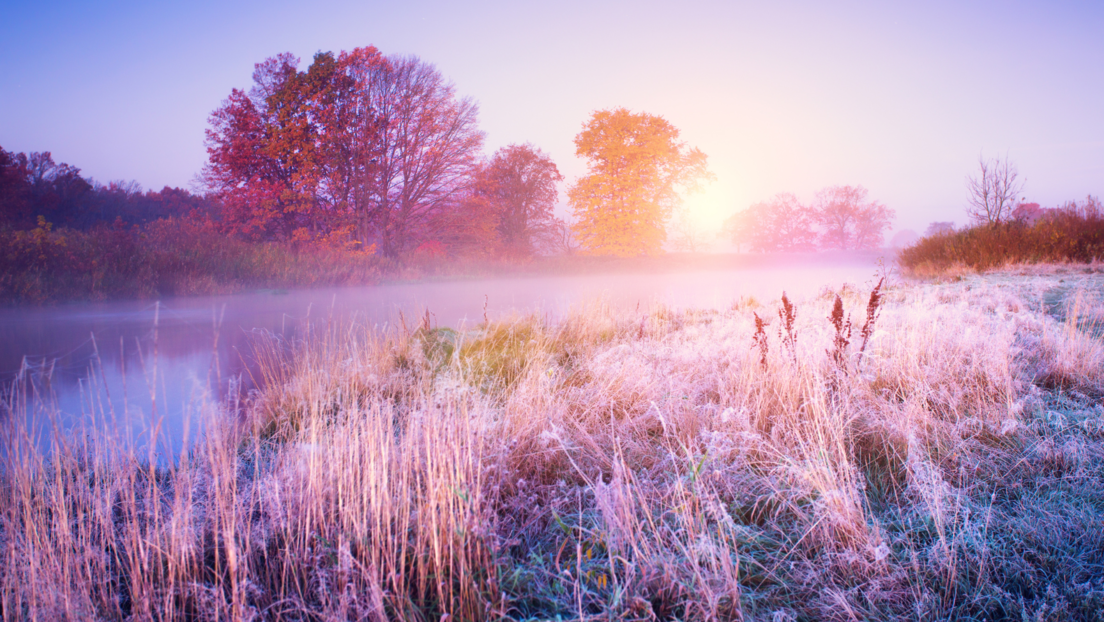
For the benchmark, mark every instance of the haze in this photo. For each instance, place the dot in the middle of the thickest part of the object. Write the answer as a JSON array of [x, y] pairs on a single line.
[[789, 97]]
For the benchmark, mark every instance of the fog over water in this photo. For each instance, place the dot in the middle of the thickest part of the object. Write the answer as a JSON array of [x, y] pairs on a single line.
[[200, 348]]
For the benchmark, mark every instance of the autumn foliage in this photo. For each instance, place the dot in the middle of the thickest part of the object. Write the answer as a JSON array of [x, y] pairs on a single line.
[[34, 186], [638, 171], [1073, 232], [358, 149], [518, 185]]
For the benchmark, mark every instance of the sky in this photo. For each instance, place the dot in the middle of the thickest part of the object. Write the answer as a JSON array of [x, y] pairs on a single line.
[[899, 97]]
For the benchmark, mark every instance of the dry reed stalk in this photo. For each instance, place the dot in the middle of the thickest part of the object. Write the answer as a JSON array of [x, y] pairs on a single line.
[[587, 469]]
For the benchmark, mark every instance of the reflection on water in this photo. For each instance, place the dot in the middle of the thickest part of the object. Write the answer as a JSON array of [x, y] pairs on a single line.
[[136, 367]]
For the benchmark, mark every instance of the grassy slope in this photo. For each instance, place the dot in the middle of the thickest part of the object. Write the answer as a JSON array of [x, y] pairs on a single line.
[[634, 466]]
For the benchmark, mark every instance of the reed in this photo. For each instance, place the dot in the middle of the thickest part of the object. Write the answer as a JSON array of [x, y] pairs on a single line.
[[651, 465]]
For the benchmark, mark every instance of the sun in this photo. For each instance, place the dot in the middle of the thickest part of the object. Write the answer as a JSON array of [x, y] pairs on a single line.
[[708, 208]]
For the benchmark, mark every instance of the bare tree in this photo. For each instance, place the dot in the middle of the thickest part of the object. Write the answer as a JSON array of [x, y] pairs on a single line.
[[557, 239], [993, 192]]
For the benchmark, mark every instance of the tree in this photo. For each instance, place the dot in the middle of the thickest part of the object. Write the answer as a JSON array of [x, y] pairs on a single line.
[[357, 145], [686, 236], [939, 228], [33, 186], [15, 192], [780, 224], [519, 187], [849, 220], [638, 168], [429, 142], [903, 239], [245, 168], [992, 192]]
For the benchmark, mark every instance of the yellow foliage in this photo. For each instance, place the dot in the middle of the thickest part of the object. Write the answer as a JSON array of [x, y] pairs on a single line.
[[637, 169]]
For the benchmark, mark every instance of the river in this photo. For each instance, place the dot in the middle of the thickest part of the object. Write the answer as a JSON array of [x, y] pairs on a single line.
[[139, 367]]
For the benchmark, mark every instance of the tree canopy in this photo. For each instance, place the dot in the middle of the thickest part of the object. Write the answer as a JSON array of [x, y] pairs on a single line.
[[519, 186], [841, 217], [779, 224], [849, 220], [358, 147], [638, 171]]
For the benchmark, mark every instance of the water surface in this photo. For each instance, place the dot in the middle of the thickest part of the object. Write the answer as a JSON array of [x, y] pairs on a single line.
[[142, 366]]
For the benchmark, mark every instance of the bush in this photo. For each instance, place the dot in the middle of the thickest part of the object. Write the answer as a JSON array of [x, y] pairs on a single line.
[[1069, 234]]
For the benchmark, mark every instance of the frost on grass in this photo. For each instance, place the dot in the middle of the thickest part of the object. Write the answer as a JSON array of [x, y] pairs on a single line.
[[659, 464]]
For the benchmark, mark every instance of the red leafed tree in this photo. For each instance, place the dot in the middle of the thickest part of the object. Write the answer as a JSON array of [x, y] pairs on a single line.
[[519, 186], [244, 167], [357, 145], [849, 220], [468, 227]]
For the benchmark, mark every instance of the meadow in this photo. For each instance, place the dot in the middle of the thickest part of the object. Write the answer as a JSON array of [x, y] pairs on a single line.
[[914, 450]]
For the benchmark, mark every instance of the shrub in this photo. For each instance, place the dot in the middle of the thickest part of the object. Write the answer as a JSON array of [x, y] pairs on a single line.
[[1072, 233]]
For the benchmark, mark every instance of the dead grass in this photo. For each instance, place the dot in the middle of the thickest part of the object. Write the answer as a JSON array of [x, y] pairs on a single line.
[[658, 465]]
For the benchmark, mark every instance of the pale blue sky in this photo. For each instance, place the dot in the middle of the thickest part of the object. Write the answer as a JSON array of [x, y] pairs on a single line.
[[900, 97]]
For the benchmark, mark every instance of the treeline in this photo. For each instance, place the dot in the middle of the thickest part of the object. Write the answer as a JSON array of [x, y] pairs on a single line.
[[33, 186], [376, 153], [67, 237], [840, 217], [1073, 232], [358, 167], [373, 162]]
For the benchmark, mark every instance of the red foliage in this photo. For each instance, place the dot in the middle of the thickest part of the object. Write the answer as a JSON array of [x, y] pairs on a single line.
[[358, 147]]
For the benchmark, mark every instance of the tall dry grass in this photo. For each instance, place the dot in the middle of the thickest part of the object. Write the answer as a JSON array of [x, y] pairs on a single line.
[[636, 466]]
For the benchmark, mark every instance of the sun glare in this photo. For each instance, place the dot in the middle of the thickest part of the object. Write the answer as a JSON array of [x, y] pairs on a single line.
[[708, 208]]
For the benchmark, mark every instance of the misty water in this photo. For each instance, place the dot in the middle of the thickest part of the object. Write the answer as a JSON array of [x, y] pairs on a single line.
[[145, 369]]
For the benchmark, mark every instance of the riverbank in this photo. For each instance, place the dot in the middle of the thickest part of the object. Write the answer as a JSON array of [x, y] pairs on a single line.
[[171, 257], [632, 464]]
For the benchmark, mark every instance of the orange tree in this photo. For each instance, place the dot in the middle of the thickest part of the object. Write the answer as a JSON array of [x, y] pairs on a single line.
[[638, 170]]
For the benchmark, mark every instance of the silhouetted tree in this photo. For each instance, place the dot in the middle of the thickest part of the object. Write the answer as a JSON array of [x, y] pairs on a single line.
[[849, 220], [992, 192], [15, 192], [939, 228], [34, 185], [780, 224]]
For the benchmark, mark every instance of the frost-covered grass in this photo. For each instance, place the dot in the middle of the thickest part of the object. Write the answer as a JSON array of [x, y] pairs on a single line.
[[635, 466]]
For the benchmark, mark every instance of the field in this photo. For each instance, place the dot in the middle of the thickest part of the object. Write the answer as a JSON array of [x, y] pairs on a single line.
[[934, 452]]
